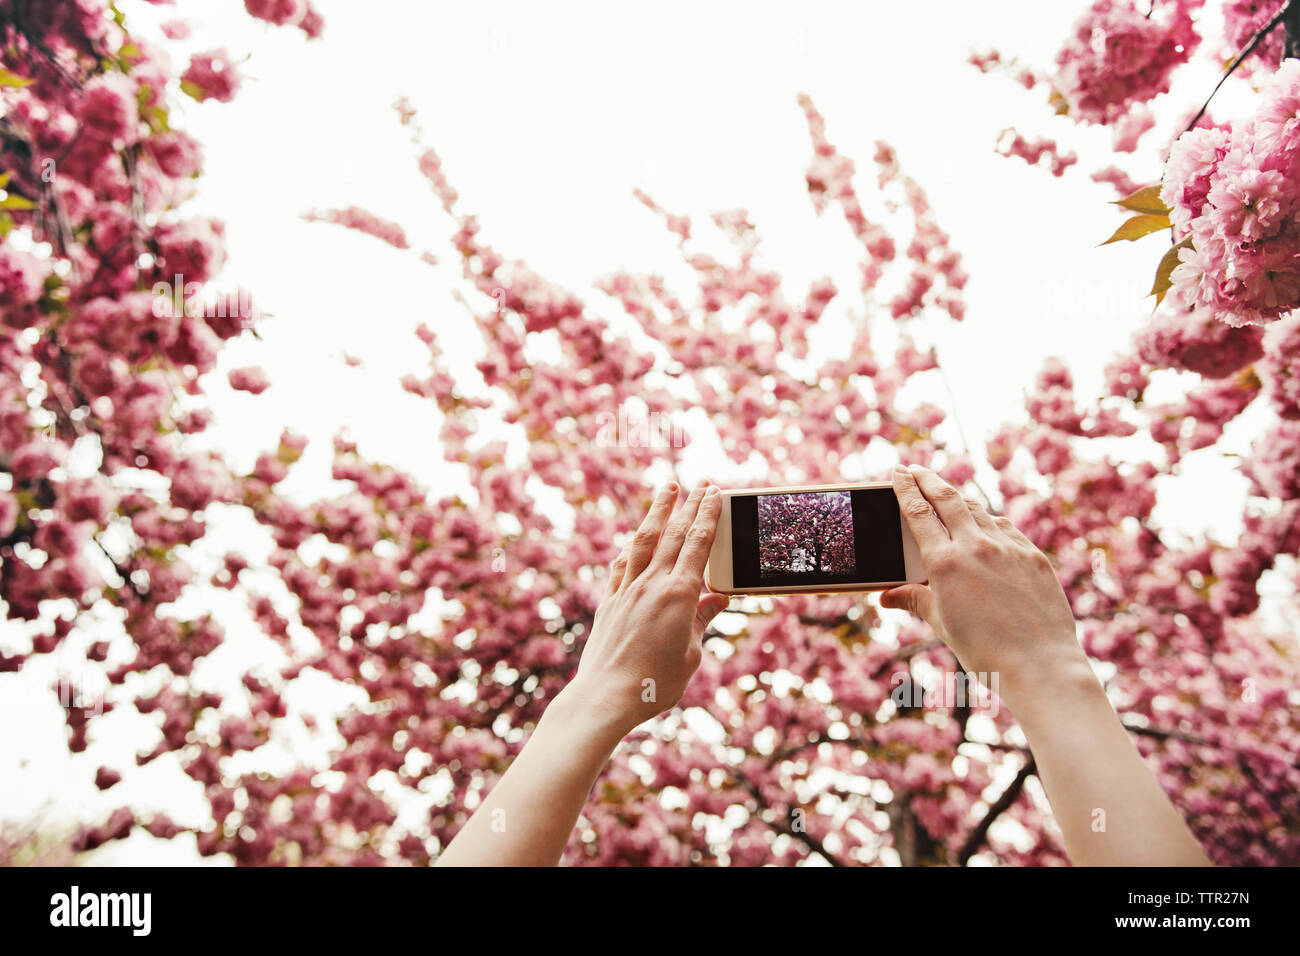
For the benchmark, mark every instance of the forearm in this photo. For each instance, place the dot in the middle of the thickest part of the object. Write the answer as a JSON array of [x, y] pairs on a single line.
[[528, 817], [1110, 808]]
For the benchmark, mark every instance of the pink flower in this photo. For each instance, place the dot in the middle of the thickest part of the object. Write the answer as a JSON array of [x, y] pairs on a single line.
[[1277, 123], [1280, 368], [279, 12], [1192, 161], [176, 30], [1191, 337], [1236, 193], [22, 282], [362, 221], [193, 249], [1131, 128], [87, 499], [1241, 20], [33, 460], [1247, 200], [8, 513], [249, 379], [177, 154], [312, 23], [198, 481], [108, 111], [211, 75], [1118, 57]]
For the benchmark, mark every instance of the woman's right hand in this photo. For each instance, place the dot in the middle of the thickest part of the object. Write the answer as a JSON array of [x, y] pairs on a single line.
[[992, 596], [995, 600]]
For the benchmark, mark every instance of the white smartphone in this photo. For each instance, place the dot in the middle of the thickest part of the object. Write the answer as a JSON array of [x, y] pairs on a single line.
[[812, 540]]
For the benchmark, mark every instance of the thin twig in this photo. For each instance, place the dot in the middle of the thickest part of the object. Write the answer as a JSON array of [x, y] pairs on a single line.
[[1250, 48]]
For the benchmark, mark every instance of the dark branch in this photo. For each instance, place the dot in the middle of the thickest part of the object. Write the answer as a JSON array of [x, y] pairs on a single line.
[[1001, 805], [1292, 21], [1290, 12], [803, 836]]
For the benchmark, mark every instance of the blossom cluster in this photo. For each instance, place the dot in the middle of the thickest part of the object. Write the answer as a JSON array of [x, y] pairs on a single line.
[[1234, 194], [1119, 56], [1242, 19]]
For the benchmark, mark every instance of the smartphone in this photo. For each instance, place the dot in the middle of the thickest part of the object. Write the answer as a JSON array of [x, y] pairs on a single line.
[[812, 540]]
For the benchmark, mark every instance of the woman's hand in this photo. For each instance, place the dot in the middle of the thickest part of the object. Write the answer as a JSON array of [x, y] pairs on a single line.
[[992, 597], [645, 643], [643, 649]]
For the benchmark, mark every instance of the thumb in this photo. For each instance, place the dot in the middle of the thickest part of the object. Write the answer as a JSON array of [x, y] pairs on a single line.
[[917, 599], [710, 606]]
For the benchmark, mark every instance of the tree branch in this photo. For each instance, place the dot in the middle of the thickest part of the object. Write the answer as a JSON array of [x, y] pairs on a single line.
[[1292, 20], [1291, 13], [805, 837], [1003, 803]]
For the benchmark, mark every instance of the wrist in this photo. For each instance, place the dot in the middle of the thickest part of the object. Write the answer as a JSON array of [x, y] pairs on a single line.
[[588, 716], [1048, 678]]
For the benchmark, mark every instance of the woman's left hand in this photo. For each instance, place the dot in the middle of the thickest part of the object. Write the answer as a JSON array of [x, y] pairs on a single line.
[[645, 642]]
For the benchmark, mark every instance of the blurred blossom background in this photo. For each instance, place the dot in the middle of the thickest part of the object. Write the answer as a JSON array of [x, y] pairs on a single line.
[[403, 498]]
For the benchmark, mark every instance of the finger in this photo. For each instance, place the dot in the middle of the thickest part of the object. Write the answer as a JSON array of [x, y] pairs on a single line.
[[946, 500], [647, 536], [920, 517], [617, 568], [981, 515], [699, 539], [710, 606], [671, 543], [1008, 527], [916, 599]]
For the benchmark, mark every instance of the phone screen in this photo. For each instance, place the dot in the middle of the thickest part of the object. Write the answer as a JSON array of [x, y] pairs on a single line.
[[817, 537]]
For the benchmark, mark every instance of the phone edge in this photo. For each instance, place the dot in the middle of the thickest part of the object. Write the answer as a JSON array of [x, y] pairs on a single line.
[[713, 579]]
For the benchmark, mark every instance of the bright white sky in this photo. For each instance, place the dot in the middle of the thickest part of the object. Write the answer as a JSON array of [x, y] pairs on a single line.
[[547, 116]]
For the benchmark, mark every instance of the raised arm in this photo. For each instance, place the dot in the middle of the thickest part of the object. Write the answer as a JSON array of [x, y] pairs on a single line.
[[995, 600], [644, 647]]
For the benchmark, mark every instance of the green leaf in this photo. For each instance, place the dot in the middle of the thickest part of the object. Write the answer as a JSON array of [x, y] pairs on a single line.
[[192, 89], [13, 79], [1139, 226], [1145, 200], [4, 178], [6, 225], [16, 202], [1164, 272]]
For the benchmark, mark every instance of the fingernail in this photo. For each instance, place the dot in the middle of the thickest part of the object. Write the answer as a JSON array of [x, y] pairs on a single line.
[[713, 491], [670, 488], [899, 469]]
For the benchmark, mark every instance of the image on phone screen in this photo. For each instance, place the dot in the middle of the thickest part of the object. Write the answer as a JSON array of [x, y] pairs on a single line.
[[805, 534], [808, 538]]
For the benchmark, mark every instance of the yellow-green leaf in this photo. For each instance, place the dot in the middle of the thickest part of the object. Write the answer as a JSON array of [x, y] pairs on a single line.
[[4, 178], [1145, 200], [1164, 271], [13, 79], [192, 89], [1139, 226], [16, 202]]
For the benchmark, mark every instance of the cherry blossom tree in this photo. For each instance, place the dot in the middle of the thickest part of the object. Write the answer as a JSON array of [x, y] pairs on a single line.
[[806, 532], [458, 614]]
